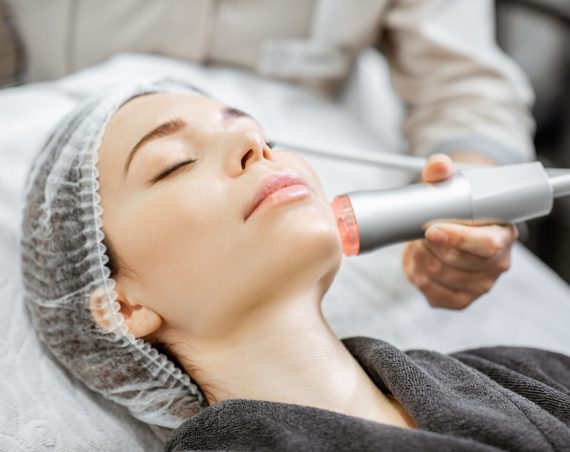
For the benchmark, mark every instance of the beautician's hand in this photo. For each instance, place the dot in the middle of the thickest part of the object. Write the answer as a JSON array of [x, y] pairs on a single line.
[[456, 264]]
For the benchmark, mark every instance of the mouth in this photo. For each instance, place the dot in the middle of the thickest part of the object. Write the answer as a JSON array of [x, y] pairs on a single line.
[[289, 184]]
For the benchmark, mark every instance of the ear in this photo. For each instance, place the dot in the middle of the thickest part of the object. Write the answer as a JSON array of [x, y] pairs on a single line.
[[140, 320]]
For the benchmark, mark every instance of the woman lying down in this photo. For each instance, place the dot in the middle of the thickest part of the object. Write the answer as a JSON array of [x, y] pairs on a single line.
[[154, 275]]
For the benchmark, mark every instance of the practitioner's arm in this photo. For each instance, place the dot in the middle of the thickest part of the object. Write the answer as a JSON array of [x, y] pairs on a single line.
[[463, 94]]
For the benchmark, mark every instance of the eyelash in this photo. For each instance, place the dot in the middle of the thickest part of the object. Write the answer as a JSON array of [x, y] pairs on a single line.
[[170, 169]]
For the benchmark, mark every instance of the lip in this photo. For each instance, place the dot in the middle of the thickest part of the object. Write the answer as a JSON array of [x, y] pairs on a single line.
[[270, 184]]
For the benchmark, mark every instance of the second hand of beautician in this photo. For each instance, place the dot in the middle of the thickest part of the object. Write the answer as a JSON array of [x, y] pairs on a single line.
[[456, 264]]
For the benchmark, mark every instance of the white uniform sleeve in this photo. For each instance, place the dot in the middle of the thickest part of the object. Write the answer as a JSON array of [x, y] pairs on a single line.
[[463, 94]]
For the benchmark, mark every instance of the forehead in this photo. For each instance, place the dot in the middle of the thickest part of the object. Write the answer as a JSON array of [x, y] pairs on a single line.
[[150, 109], [139, 115]]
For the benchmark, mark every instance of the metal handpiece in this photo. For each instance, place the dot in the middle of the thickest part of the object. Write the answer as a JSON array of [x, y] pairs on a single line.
[[506, 194]]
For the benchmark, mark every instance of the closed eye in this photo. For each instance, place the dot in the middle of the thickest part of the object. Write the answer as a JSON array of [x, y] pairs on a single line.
[[170, 169]]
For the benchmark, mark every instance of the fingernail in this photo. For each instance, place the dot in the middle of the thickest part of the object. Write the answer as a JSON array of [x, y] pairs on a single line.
[[437, 235]]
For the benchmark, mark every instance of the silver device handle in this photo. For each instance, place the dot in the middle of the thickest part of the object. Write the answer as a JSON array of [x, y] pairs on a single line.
[[504, 194]]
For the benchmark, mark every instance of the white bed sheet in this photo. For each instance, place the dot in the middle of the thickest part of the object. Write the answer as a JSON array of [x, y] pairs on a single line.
[[42, 408]]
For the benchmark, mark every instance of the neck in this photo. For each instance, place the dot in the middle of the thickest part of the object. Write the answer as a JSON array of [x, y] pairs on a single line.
[[286, 352]]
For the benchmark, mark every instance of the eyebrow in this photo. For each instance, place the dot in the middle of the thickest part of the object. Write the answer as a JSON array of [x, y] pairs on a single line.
[[232, 112], [174, 125]]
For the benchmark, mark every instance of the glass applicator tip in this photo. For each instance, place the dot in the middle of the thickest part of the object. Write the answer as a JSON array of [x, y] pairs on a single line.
[[346, 223]]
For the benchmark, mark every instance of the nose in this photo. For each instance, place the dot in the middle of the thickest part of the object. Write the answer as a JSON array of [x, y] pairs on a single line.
[[249, 147]]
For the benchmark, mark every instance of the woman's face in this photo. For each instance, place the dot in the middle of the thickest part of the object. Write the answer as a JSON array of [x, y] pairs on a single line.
[[190, 254]]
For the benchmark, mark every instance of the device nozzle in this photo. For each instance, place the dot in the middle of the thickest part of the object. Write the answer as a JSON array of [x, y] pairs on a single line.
[[560, 181], [346, 223]]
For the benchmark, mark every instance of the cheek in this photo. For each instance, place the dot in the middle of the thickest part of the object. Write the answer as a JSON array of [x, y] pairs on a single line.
[[178, 243]]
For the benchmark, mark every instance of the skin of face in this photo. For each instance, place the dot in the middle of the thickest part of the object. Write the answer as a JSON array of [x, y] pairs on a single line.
[[194, 269]]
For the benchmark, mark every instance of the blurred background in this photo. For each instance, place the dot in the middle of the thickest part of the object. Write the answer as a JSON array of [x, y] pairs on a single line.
[[536, 33]]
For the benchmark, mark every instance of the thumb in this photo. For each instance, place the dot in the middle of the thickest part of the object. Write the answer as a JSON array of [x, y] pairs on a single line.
[[438, 167]]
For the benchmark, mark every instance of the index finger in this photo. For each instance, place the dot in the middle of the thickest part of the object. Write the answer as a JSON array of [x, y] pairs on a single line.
[[482, 241]]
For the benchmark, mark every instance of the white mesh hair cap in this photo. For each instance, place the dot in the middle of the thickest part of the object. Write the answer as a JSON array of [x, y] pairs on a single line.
[[64, 261]]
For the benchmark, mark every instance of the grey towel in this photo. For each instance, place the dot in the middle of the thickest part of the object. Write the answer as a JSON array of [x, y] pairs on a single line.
[[497, 398]]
